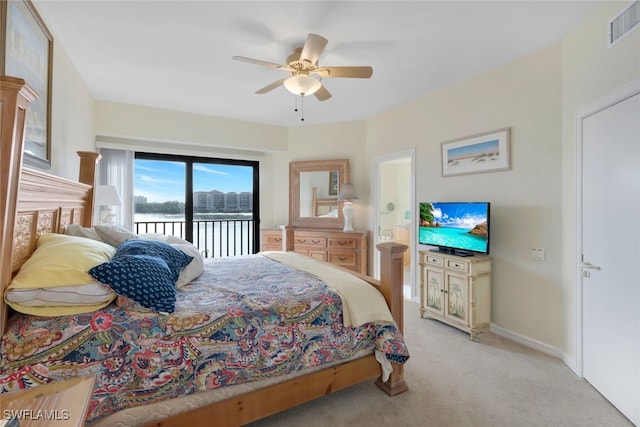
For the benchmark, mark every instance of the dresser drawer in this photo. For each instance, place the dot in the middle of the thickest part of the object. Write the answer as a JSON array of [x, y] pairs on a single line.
[[273, 240], [458, 265], [434, 260], [337, 243], [343, 259], [310, 241]]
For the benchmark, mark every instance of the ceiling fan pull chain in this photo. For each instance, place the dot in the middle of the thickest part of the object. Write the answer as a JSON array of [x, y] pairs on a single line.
[[295, 103], [302, 107]]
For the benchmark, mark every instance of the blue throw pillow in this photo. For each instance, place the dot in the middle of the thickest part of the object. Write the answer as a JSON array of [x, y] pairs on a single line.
[[175, 258], [143, 278]]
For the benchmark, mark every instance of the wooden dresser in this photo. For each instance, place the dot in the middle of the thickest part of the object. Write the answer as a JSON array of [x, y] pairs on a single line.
[[346, 249]]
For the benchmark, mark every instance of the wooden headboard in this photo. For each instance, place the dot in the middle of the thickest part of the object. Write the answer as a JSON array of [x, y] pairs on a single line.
[[33, 202], [321, 207]]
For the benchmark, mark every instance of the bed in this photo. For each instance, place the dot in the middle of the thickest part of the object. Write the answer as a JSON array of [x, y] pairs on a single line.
[[37, 206]]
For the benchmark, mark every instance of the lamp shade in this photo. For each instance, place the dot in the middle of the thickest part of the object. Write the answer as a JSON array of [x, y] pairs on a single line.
[[347, 192], [106, 195], [302, 84]]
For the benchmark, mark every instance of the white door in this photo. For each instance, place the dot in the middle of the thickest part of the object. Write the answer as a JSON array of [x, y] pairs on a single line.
[[610, 264]]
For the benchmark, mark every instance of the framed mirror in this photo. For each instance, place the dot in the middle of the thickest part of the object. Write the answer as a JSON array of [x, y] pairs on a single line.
[[313, 193]]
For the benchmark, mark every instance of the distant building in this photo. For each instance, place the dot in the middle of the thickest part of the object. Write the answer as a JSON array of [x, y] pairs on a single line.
[[245, 201], [215, 201]]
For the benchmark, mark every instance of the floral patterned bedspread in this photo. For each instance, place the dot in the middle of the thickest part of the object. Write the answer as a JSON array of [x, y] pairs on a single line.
[[245, 319]]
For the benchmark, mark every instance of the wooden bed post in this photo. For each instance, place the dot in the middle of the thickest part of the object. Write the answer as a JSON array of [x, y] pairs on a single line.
[[87, 175], [391, 284], [15, 96], [287, 238]]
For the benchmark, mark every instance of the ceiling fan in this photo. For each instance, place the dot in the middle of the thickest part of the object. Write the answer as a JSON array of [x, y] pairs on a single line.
[[306, 74]]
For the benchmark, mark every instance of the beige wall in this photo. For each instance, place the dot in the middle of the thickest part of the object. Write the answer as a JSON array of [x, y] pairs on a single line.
[[72, 116], [590, 71], [524, 95], [337, 141], [153, 124]]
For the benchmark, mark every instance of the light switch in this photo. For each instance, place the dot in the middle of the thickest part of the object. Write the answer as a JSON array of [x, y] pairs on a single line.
[[538, 254]]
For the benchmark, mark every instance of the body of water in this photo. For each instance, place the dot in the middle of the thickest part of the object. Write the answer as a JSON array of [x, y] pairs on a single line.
[[215, 235], [453, 238]]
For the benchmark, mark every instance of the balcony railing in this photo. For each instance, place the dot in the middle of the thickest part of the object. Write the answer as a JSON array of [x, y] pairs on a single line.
[[213, 238]]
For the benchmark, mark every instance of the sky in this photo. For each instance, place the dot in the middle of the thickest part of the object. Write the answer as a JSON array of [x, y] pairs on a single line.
[[161, 181], [459, 215]]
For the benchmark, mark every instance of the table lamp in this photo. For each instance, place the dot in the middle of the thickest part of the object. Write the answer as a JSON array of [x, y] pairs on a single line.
[[106, 196], [347, 194]]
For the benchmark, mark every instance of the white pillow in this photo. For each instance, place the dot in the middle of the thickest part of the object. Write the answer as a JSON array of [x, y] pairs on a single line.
[[113, 234], [166, 238], [89, 294], [79, 231], [194, 269]]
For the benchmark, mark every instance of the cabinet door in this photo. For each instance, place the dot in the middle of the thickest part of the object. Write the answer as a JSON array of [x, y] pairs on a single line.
[[434, 291], [457, 306]]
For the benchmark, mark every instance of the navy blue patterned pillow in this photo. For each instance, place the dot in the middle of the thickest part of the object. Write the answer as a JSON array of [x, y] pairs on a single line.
[[143, 278], [175, 258]]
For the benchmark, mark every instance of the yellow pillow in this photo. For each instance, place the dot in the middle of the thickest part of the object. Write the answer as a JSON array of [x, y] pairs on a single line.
[[60, 260]]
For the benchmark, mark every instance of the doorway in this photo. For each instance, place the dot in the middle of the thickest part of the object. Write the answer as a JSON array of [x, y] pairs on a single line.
[[394, 211], [608, 248]]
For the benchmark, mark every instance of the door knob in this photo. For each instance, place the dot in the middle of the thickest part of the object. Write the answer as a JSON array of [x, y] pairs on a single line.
[[589, 266]]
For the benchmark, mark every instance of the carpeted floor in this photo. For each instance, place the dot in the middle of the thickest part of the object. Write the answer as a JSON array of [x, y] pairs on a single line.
[[456, 382]]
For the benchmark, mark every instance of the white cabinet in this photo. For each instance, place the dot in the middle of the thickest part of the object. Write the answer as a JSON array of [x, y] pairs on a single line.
[[456, 290]]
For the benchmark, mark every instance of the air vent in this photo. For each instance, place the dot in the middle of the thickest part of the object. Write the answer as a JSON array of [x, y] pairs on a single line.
[[624, 23]]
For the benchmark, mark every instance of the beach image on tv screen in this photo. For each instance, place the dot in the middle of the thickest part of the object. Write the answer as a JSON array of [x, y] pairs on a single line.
[[454, 225]]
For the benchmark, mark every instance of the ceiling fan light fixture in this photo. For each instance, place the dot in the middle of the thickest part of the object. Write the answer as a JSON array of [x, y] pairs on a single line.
[[302, 84]]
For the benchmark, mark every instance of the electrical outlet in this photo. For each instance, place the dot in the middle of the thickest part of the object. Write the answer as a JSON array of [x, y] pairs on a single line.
[[538, 254]]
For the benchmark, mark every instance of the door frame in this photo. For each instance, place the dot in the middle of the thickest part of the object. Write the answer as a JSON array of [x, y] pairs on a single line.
[[377, 207], [614, 97]]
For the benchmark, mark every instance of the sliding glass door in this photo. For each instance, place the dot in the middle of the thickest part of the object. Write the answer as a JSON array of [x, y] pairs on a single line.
[[210, 202]]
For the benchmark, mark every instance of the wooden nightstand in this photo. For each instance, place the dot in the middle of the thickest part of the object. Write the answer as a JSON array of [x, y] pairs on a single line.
[[61, 403]]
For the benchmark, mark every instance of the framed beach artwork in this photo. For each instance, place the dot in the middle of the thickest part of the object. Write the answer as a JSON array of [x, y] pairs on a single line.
[[27, 47], [485, 152]]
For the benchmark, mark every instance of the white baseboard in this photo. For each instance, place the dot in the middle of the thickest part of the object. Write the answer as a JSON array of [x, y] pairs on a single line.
[[536, 345]]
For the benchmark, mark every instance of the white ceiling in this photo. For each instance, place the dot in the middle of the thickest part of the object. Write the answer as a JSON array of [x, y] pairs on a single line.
[[177, 54]]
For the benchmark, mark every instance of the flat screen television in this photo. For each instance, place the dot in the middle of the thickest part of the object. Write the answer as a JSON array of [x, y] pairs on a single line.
[[459, 228]]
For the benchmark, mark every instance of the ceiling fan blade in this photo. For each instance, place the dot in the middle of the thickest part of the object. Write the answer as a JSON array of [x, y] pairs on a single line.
[[270, 87], [312, 49], [257, 61], [353, 72], [322, 94]]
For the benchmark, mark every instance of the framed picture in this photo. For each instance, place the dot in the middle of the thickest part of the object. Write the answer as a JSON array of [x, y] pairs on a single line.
[[333, 183], [28, 54], [485, 152]]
